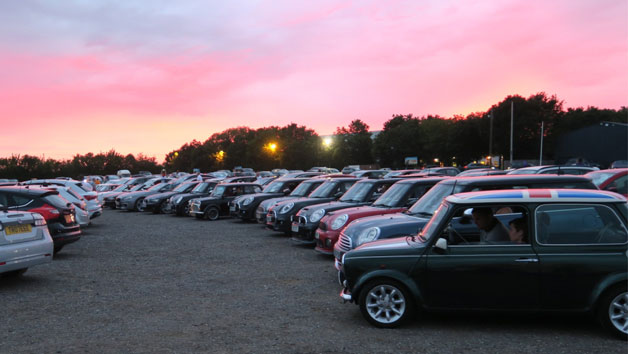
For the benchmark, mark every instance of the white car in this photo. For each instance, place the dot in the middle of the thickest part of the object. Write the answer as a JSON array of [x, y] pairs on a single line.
[[24, 241]]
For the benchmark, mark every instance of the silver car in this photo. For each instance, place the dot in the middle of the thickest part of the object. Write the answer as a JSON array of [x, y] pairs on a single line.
[[24, 241]]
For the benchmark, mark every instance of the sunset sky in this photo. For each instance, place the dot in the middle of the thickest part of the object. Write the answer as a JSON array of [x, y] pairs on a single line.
[[147, 76]]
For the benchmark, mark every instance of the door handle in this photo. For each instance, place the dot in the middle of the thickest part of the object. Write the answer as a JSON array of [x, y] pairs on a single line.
[[527, 260]]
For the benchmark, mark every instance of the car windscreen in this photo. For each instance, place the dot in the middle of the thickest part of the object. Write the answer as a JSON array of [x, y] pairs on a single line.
[[274, 187], [600, 177], [358, 192], [202, 187], [137, 188], [218, 191], [432, 199], [184, 187], [431, 226], [323, 190], [391, 197], [302, 189]]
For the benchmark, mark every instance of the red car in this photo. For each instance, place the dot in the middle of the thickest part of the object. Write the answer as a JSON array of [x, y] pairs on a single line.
[[614, 180], [399, 197]]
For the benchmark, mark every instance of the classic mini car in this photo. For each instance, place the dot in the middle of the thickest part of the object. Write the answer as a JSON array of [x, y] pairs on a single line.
[[564, 251], [244, 207], [615, 180], [24, 241], [364, 192], [387, 226], [217, 203], [279, 217], [135, 200], [157, 202], [59, 213], [304, 189], [399, 197], [179, 204]]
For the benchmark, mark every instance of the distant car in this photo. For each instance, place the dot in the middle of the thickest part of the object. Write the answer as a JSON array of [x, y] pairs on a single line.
[[482, 172], [82, 188], [351, 168], [180, 204], [565, 252], [445, 171], [244, 206], [58, 212], [217, 203], [106, 187], [396, 173], [615, 180], [158, 203], [372, 174], [553, 170], [239, 179], [619, 164], [24, 241], [304, 189], [135, 200]]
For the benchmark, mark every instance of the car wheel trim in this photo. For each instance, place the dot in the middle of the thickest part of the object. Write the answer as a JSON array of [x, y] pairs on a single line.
[[212, 213], [138, 205], [618, 312], [385, 300]]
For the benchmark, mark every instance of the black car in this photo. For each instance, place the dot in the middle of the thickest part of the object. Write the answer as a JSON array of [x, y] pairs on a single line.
[[244, 207], [58, 212], [217, 203], [304, 189], [408, 223], [279, 217], [157, 203], [364, 192], [179, 204]]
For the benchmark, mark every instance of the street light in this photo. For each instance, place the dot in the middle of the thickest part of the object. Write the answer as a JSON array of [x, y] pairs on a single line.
[[327, 142]]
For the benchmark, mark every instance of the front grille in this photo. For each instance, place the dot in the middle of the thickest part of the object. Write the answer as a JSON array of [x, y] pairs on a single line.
[[345, 243]]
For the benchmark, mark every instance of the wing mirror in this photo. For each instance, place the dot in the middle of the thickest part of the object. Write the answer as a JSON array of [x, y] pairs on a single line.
[[441, 245]]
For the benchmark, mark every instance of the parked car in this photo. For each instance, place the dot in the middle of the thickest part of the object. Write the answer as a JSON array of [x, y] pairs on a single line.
[[481, 172], [108, 199], [363, 192], [106, 187], [180, 204], [217, 203], [555, 170], [445, 171], [157, 203], [80, 187], [235, 179], [24, 241], [396, 173], [279, 216], [393, 225], [304, 189], [615, 180], [135, 200], [58, 213], [399, 197], [80, 205], [244, 207], [373, 174], [572, 260], [619, 164]]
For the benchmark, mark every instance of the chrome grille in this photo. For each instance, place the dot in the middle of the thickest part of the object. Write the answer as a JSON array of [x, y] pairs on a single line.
[[345, 243]]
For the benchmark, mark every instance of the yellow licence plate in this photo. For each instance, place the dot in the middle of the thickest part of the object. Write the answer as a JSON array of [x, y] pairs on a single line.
[[18, 229]]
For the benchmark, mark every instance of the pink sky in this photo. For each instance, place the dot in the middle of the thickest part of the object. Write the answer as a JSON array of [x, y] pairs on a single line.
[[149, 76]]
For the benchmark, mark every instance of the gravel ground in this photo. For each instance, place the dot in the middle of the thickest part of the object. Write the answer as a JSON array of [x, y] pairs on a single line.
[[142, 283]]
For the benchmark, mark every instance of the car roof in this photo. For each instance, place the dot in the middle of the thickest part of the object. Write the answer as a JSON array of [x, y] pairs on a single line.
[[493, 179], [239, 184], [32, 191], [536, 195], [424, 180]]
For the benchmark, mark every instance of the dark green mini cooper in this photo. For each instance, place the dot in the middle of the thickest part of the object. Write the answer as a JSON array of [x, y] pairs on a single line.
[[511, 250]]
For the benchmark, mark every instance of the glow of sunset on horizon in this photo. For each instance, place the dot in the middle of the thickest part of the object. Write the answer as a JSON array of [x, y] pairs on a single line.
[[149, 76]]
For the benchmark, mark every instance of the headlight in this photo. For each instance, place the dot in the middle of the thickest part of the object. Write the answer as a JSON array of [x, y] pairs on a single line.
[[177, 200], [339, 221], [368, 235], [317, 215], [286, 208], [247, 201]]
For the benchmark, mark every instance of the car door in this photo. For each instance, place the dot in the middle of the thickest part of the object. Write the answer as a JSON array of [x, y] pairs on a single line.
[[579, 245], [483, 276]]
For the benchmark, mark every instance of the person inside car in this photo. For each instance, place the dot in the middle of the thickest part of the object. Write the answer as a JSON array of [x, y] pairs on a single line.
[[491, 229], [518, 231]]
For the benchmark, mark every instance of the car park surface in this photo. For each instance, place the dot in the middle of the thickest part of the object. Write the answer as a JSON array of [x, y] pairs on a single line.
[[149, 283]]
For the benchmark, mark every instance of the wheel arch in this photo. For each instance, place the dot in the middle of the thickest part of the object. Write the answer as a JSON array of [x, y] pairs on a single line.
[[605, 285], [397, 276]]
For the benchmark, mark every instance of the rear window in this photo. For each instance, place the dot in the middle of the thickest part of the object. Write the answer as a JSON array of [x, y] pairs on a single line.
[[56, 201]]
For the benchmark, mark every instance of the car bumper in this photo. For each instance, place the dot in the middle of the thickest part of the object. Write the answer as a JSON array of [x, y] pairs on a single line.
[[94, 213], [325, 241], [62, 235], [26, 254], [278, 223], [303, 234]]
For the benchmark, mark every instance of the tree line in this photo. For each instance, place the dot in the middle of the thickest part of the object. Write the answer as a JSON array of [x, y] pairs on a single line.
[[453, 140]]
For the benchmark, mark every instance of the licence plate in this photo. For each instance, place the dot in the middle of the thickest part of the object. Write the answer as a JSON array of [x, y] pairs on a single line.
[[295, 227], [232, 208], [269, 219], [18, 229]]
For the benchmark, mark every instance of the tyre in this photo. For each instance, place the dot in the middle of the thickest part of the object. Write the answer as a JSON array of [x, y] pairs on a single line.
[[612, 311], [139, 206], [162, 207], [57, 249], [15, 273], [211, 213], [385, 303]]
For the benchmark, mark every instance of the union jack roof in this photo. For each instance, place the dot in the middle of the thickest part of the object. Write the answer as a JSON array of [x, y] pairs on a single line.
[[537, 195]]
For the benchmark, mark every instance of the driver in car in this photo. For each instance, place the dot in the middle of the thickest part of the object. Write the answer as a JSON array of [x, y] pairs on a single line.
[[491, 229]]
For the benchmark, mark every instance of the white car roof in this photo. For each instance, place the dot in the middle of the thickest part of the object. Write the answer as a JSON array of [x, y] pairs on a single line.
[[536, 195]]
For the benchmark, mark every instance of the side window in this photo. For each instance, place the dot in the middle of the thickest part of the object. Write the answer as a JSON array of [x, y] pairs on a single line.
[[19, 200], [3, 200], [487, 226], [578, 224]]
